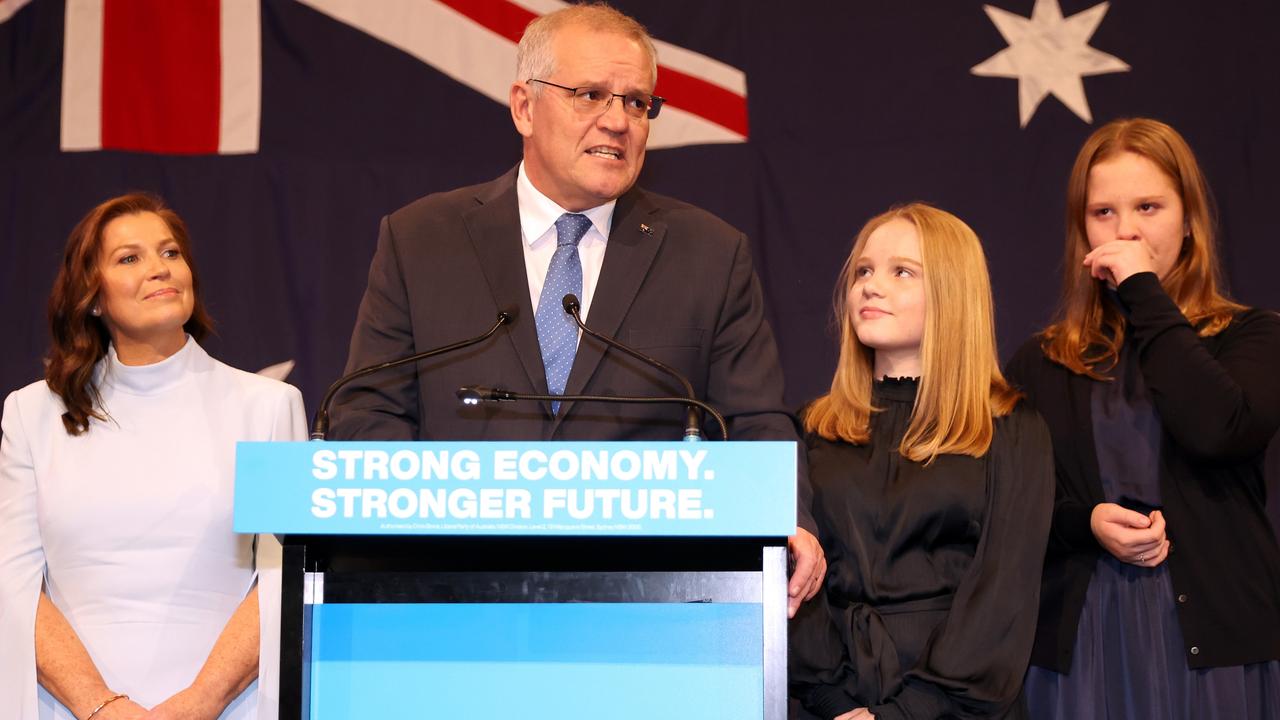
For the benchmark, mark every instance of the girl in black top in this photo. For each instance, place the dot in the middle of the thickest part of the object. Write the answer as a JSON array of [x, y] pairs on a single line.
[[932, 490], [1161, 590]]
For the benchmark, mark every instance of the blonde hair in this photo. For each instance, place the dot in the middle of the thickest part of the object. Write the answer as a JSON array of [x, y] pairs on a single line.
[[1087, 333], [535, 57], [961, 387]]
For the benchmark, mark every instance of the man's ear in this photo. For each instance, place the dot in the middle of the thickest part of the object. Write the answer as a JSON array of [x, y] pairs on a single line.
[[522, 108]]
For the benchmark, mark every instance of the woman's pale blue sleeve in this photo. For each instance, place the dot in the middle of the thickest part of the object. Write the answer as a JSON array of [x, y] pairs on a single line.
[[21, 566]]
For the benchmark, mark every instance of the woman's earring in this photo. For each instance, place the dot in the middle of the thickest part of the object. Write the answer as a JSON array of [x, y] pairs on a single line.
[[96, 311]]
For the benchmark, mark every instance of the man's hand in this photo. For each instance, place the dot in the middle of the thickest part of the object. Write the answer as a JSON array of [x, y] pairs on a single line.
[[811, 569], [856, 714]]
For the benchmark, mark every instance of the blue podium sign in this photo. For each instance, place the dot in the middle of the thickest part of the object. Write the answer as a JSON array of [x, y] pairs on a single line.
[[733, 489]]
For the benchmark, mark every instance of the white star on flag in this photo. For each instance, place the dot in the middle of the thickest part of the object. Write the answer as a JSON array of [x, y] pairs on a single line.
[[1049, 55], [279, 371]]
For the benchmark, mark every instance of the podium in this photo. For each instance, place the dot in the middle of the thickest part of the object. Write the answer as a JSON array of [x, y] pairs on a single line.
[[538, 579]]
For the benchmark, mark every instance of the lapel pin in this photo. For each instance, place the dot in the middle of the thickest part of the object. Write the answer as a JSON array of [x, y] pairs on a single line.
[[646, 229]]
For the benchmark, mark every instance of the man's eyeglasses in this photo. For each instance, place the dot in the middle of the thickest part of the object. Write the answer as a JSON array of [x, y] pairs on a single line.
[[595, 101]]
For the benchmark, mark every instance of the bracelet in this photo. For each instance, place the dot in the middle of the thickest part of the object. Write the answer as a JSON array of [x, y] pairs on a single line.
[[105, 703]]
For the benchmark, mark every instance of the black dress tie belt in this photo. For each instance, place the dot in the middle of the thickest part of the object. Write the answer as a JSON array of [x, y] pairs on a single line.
[[872, 648]]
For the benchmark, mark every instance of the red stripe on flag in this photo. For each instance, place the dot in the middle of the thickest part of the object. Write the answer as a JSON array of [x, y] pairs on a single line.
[[161, 75], [687, 92], [504, 18], [708, 100]]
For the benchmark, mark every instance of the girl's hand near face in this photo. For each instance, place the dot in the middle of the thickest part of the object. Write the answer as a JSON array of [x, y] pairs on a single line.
[[1116, 261]]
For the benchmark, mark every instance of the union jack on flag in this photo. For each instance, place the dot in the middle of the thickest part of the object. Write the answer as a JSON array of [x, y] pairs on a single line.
[[186, 77]]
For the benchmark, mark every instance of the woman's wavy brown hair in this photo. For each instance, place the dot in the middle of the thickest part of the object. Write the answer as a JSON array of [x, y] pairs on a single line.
[[1087, 334], [79, 339]]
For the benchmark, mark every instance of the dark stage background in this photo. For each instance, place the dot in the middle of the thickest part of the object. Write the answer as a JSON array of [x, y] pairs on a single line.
[[852, 107]]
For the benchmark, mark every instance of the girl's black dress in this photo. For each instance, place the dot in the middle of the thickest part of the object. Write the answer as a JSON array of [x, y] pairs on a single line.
[[929, 607]]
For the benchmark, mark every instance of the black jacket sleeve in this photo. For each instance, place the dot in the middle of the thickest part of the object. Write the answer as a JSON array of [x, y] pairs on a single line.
[[819, 666], [1215, 406], [1032, 373], [383, 406], [744, 378]]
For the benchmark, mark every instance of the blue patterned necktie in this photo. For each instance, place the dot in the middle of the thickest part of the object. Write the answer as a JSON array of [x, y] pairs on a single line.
[[557, 333]]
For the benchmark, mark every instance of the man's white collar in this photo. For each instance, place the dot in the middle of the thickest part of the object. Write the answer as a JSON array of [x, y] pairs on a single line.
[[538, 213]]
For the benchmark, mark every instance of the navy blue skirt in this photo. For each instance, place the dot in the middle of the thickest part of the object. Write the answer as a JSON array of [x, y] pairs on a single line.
[[1130, 661]]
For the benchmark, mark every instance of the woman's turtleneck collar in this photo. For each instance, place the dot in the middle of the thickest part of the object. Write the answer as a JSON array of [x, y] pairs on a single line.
[[154, 378], [900, 388]]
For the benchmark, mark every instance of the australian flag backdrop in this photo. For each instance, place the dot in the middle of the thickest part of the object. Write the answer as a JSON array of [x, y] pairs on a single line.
[[282, 130]]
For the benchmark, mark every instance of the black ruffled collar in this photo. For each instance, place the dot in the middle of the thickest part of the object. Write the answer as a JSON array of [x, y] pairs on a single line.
[[896, 388]]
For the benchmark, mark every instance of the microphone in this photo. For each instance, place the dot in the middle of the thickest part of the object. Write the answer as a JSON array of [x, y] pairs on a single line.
[[692, 424], [476, 394], [320, 425]]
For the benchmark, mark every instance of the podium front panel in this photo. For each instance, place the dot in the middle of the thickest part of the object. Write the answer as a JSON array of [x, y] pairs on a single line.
[[571, 611], [536, 661]]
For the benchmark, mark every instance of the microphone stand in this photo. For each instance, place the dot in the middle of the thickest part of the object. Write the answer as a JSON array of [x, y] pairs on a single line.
[[692, 423], [320, 425], [476, 394]]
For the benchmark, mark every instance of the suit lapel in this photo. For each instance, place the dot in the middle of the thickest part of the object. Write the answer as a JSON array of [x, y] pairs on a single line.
[[636, 234], [494, 227]]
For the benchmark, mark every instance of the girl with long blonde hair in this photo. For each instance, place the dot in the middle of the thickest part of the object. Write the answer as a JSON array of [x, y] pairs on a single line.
[[932, 487]]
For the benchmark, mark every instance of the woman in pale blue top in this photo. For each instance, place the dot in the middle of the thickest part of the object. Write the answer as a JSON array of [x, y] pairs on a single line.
[[124, 592]]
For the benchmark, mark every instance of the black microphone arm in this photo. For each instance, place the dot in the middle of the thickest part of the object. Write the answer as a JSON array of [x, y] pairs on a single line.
[[476, 394], [320, 425], [692, 423]]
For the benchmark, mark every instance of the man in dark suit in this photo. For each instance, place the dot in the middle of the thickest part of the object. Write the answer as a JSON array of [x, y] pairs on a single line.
[[660, 275]]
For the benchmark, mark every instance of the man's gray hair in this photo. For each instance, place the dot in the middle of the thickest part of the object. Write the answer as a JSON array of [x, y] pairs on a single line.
[[535, 57]]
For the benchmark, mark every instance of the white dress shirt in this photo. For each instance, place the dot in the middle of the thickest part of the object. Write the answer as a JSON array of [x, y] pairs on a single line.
[[538, 215]]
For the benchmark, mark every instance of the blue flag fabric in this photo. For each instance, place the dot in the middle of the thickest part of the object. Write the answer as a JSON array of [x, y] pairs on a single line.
[[851, 108]]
